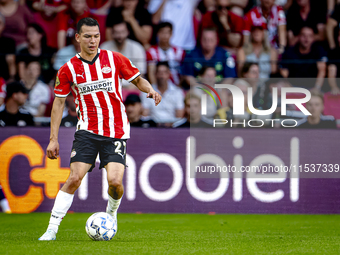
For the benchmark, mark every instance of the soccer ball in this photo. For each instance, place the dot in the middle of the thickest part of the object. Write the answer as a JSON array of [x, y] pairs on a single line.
[[101, 226]]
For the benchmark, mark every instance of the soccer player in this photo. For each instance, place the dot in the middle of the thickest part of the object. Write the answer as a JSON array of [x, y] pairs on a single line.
[[93, 76]]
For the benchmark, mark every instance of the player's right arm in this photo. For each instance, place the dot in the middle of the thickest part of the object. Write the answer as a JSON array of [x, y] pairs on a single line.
[[52, 151], [62, 89]]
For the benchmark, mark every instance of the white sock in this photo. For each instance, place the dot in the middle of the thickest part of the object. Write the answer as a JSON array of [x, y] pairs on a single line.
[[4, 205], [112, 205], [62, 203]]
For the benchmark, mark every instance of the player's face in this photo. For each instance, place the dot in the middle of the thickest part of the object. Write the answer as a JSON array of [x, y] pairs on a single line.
[[315, 106], [164, 35], [89, 39]]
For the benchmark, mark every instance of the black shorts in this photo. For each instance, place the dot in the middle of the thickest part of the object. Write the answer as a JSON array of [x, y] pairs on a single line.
[[86, 147]]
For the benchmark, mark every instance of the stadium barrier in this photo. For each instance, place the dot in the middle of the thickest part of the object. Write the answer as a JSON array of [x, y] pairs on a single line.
[[157, 179]]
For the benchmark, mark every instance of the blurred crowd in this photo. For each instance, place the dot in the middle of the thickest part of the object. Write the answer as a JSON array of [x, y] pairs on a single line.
[[182, 47]]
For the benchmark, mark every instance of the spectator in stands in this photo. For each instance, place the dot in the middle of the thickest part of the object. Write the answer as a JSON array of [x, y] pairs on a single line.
[[275, 27], [305, 60], [207, 76], [134, 111], [39, 94], [12, 114], [7, 53], [68, 19], [303, 14], [258, 51], [192, 117], [99, 10], [129, 48], [138, 21], [202, 8], [2, 91], [251, 73], [172, 106], [65, 54], [315, 106], [208, 54], [71, 119], [17, 19], [229, 26], [226, 113], [36, 50], [164, 51], [182, 21], [46, 16], [333, 35]]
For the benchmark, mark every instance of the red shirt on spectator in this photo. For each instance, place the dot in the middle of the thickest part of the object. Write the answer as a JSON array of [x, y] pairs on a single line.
[[96, 4], [174, 56], [2, 88], [254, 18], [210, 19]]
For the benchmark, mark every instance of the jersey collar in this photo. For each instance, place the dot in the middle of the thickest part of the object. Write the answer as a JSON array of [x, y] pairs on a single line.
[[89, 62]]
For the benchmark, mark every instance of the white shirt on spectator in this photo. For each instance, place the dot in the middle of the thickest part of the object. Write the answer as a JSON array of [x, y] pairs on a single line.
[[132, 50], [165, 112], [180, 14], [40, 94], [63, 55]]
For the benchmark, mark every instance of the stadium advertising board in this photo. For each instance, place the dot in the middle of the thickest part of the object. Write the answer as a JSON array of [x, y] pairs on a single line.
[[167, 171]]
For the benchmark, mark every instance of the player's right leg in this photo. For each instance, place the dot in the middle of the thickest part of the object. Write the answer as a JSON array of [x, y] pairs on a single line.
[[64, 199]]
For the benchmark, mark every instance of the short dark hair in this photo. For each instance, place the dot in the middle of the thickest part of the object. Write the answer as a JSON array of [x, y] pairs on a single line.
[[87, 22], [246, 67], [204, 69], [163, 25], [308, 27], [162, 63]]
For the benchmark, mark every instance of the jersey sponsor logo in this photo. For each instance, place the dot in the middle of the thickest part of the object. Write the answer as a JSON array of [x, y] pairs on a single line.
[[57, 82], [106, 69], [95, 86]]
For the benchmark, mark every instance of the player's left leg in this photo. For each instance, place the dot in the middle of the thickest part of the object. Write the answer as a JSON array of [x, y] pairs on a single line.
[[115, 173]]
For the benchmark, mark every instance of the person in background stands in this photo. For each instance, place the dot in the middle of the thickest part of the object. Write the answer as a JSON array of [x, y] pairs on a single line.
[[71, 119], [192, 117], [164, 51], [134, 111], [12, 114], [315, 106]]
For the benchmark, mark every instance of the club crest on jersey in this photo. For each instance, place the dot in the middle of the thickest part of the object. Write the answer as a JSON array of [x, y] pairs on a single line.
[[106, 69], [57, 82]]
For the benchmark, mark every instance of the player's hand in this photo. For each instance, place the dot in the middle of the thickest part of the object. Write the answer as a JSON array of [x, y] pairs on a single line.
[[157, 97], [52, 150]]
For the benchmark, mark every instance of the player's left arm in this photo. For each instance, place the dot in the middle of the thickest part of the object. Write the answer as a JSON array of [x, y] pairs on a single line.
[[144, 86]]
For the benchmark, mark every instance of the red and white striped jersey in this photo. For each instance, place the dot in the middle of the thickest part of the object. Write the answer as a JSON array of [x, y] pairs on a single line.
[[174, 56], [97, 91], [255, 18]]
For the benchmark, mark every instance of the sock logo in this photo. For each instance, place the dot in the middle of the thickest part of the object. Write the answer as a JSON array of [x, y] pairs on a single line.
[[54, 216]]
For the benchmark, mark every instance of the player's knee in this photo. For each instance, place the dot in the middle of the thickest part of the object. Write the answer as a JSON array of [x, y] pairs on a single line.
[[75, 180], [114, 183]]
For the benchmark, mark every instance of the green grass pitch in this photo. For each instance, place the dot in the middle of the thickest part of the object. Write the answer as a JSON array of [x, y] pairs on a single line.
[[177, 234]]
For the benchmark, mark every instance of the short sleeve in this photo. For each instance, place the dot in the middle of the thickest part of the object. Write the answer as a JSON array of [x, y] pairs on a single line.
[[281, 16], [179, 100], [127, 71], [63, 82], [247, 24]]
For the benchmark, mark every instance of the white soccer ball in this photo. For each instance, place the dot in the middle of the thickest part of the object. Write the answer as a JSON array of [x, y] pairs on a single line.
[[101, 226]]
